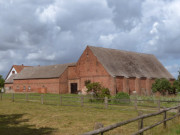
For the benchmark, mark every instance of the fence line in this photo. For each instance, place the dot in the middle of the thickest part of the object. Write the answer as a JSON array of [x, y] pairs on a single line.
[[82, 100], [141, 118]]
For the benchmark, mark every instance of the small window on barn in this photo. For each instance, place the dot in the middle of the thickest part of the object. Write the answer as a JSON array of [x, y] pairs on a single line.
[[29, 88]]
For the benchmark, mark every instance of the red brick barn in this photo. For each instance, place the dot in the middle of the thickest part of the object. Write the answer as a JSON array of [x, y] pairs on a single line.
[[117, 70]]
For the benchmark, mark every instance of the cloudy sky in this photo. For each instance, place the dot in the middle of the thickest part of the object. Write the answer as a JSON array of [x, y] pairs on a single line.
[[42, 32]]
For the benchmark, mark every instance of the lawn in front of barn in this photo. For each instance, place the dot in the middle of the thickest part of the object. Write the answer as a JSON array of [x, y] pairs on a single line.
[[34, 118]]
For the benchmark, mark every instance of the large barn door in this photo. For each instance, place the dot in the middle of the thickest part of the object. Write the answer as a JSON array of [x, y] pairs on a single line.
[[74, 88]]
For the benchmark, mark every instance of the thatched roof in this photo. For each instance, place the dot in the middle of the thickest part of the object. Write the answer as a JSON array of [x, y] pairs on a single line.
[[130, 64], [10, 79], [40, 72]]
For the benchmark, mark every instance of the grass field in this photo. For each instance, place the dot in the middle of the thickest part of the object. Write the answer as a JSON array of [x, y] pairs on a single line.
[[32, 118]]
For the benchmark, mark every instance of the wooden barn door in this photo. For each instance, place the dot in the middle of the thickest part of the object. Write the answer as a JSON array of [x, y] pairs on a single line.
[[74, 88]]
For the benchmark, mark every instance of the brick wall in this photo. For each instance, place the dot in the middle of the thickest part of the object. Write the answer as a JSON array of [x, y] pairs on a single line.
[[34, 85], [142, 86], [8, 87], [63, 81]]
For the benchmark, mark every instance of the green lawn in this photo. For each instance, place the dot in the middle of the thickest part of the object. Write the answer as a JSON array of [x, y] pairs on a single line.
[[33, 118]]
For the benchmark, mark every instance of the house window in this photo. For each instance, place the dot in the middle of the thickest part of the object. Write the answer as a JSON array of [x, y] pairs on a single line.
[[29, 88], [13, 72], [17, 87], [24, 88], [10, 88]]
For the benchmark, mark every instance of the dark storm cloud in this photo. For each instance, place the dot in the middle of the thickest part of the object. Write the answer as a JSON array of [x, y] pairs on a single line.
[[42, 32], [127, 14]]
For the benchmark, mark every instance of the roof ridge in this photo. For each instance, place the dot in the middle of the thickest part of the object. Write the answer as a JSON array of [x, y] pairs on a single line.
[[119, 50], [73, 63]]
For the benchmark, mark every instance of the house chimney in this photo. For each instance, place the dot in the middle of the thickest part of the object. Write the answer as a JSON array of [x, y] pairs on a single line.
[[22, 65]]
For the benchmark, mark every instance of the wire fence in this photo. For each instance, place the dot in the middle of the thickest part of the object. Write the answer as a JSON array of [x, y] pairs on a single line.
[[88, 101]]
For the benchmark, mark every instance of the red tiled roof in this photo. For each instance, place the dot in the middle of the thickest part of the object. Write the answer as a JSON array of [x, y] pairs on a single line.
[[18, 68]]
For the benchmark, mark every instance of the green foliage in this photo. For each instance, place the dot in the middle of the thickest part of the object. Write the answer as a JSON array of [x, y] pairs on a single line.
[[176, 87], [176, 84], [122, 95], [105, 93], [179, 76], [162, 86], [119, 97], [98, 90], [1, 82], [87, 82]]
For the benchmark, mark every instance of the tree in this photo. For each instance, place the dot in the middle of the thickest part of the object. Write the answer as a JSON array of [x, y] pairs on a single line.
[[1, 82], [175, 87], [162, 85], [178, 76]]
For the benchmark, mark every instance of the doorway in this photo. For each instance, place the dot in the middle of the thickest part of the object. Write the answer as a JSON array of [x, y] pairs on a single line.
[[74, 88]]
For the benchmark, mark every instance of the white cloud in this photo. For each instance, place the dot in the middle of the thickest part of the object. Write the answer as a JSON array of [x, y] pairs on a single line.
[[107, 39], [154, 28], [47, 14], [173, 69], [40, 55], [50, 32]]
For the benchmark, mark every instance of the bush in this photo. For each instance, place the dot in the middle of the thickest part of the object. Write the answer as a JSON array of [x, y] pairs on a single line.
[[97, 90], [105, 93], [162, 85], [121, 96]]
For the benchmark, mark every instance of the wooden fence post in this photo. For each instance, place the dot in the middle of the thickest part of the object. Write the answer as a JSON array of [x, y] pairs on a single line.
[[140, 123], [42, 99], [158, 105], [82, 101], [165, 116], [135, 104], [60, 100], [106, 102], [98, 126], [27, 98], [12, 97], [178, 111]]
